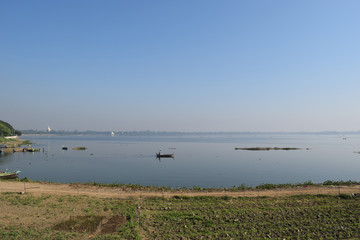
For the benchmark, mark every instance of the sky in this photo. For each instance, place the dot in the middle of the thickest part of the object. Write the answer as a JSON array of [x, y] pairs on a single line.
[[186, 65]]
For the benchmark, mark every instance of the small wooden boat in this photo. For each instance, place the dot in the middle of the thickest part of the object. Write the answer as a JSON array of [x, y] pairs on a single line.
[[159, 155], [32, 150], [6, 174], [18, 150]]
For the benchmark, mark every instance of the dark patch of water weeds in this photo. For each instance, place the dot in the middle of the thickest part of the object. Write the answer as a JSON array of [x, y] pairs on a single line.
[[80, 224]]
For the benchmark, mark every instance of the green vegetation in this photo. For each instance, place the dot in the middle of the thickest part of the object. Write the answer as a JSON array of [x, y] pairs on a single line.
[[265, 186], [132, 187], [299, 217], [26, 142], [340, 183], [7, 130], [79, 148], [290, 185], [81, 217], [14, 142]]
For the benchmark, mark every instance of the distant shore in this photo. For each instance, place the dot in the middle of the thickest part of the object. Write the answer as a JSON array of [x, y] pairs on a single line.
[[142, 133]]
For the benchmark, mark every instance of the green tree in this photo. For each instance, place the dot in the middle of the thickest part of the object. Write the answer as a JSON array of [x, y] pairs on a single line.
[[6, 129]]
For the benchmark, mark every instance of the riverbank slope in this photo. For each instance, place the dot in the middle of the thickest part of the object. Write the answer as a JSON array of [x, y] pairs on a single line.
[[124, 192]]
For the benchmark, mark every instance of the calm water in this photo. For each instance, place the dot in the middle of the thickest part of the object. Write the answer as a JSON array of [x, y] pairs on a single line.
[[200, 160]]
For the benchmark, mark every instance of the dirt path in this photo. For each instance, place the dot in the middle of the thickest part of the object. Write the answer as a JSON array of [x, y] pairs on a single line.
[[118, 192]]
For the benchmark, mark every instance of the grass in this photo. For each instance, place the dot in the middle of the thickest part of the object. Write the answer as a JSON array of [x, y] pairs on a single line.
[[6, 140], [81, 217], [14, 142], [132, 187], [265, 186], [66, 217]]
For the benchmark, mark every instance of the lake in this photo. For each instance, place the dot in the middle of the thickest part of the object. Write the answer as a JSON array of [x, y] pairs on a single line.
[[203, 160]]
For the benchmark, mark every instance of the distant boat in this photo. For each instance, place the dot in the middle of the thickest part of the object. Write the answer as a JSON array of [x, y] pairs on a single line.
[[112, 134], [6, 174], [32, 149], [49, 129]]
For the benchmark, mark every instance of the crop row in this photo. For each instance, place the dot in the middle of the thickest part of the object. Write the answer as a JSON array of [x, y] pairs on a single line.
[[322, 217]]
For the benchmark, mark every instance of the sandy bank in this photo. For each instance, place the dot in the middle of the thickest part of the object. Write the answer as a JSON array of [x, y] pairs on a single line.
[[119, 192]]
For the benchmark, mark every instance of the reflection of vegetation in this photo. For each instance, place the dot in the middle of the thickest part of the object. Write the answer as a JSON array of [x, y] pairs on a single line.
[[79, 148], [26, 142]]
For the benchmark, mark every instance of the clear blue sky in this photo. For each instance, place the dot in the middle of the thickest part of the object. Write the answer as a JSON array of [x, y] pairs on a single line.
[[187, 65]]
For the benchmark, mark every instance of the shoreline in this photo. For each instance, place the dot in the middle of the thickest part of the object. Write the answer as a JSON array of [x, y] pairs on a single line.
[[125, 192], [13, 141], [12, 144]]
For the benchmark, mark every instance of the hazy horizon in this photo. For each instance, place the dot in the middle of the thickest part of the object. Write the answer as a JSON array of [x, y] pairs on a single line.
[[187, 66], [119, 131]]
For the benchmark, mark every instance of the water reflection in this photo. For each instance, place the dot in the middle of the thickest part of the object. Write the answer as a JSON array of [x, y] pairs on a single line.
[[4, 158], [204, 161]]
